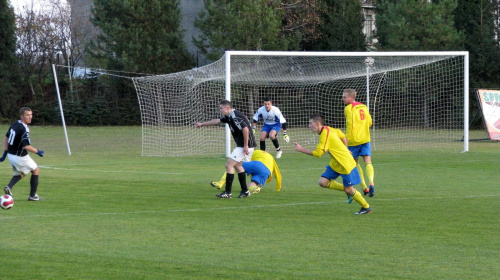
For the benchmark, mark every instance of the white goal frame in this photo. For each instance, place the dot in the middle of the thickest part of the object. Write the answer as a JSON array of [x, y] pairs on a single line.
[[465, 54]]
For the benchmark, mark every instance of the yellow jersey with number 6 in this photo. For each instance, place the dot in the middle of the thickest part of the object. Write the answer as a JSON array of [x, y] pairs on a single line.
[[358, 122]]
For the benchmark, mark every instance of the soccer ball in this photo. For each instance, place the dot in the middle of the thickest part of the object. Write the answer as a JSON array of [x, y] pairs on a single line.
[[6, 202]]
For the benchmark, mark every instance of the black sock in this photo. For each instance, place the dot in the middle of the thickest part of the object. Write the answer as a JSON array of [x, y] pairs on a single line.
[[34, 185], [242, 177], [229, 182], [14, 181], [276, 144], [263, 145]]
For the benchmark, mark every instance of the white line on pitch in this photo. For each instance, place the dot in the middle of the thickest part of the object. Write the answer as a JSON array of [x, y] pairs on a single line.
[[235, 207], [111, 171], [149, 172]]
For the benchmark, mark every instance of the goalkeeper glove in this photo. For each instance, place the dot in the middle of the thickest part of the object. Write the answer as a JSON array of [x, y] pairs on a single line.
[[3, 156], [285, 136], [40, 153], [253, 129]]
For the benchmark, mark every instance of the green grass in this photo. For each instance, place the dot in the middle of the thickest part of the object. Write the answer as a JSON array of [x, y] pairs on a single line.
[[109, 213]]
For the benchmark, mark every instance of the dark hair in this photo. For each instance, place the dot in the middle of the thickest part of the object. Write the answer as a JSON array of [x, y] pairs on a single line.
[[23, 110], [318, 118], [267, 99], [226, 103]]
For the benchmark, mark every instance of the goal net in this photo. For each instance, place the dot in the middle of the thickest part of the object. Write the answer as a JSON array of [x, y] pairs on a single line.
[[418, 100]]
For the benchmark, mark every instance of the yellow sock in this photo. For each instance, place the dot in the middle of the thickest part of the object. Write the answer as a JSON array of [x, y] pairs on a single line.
[[362, 177], [223, 179], [334, 185], [369, 172], [359, 199]]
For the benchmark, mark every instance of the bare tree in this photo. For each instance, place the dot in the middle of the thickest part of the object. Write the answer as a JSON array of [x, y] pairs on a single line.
[[46, 35], [300, 20], [496, 19]]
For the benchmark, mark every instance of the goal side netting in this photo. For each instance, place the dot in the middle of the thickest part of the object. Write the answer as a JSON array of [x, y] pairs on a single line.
[[418, 100]]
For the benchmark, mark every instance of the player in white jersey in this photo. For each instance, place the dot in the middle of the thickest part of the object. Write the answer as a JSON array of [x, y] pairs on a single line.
[[273, 123]]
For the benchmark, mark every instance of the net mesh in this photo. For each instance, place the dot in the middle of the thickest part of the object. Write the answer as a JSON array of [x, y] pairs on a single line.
[[416, 101]]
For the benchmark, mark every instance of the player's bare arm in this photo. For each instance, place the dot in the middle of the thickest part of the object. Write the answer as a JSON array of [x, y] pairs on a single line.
[[344, 140], [299, 148], [246, 136], [211, 122], [30, 149]]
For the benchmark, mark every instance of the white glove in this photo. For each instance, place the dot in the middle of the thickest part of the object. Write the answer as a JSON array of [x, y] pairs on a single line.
[[285, 137]]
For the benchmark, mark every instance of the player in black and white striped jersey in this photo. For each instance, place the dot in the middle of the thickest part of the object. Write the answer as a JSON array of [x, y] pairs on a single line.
[[17, 146], [245, 145]]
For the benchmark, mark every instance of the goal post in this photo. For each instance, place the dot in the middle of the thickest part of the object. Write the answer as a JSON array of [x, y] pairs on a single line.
[[418, 100]]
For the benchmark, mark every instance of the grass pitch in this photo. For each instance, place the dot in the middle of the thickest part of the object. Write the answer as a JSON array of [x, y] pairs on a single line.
[[109, 213]]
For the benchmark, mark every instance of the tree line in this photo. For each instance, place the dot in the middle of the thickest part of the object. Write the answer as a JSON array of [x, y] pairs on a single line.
[[144, 37]]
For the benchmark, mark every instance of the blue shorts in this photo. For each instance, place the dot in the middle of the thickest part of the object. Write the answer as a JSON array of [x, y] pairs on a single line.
[[258, 170], [268, 127], [361, 150], [348, 180]]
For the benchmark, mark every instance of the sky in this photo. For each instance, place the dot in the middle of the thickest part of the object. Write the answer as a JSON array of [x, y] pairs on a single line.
[[18, 4]]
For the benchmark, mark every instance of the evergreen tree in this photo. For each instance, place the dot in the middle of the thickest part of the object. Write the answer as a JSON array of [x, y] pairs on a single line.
[[140, 36], [8, 61], [409, 25], [475, 19], [239, 25], [341, 26]]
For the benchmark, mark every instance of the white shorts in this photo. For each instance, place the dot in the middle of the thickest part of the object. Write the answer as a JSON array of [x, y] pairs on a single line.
[[238, 155], [22, 165]]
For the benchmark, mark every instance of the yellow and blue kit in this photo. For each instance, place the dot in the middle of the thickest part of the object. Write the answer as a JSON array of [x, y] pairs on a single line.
[[358, 122], [262, 167], [341, 160]]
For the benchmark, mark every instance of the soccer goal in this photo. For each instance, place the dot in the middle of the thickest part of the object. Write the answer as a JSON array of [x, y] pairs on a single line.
[[418, 100]]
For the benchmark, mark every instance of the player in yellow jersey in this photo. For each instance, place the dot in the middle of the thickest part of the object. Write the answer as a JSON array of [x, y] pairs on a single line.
[[341, 163], [358, 122], [262, 166]]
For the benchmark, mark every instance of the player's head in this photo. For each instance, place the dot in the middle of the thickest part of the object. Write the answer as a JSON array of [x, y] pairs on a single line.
[[349, 96], [316, 123], [26, 115], [225, 107], [268, 103]]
